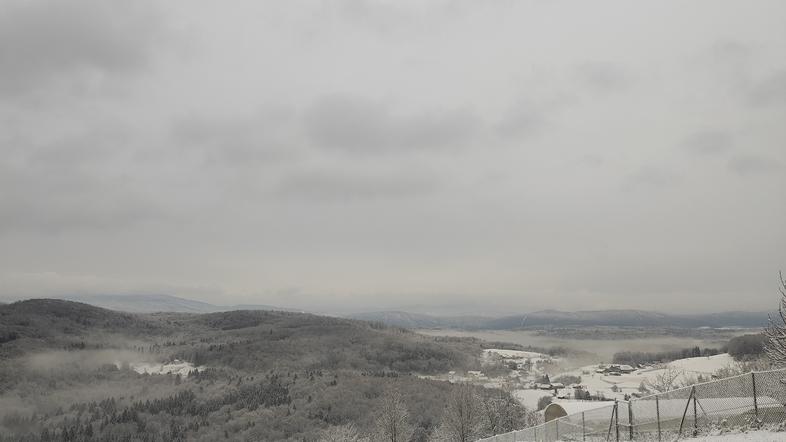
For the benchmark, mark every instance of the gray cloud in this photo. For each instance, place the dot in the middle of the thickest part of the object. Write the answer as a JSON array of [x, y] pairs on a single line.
[[651, 177], [358, 125], [522, 119], [52, 203], [603, 77], [348, 186], [769, 91], [440, 151], [752, 165], [267, 137], [42, 42], [591, 160], [710, 142]]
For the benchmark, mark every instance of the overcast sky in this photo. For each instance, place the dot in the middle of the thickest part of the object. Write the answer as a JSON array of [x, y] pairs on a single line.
[[332, 155]]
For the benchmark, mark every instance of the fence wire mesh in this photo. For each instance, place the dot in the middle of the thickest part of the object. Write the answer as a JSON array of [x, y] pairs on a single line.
[[740, 402]]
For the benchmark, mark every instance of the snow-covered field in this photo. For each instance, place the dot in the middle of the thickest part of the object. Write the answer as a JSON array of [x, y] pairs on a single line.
[[629, 383], [751, 436], [703, 365], [175, 367], [529, 398], [599, 383], [516, 354]]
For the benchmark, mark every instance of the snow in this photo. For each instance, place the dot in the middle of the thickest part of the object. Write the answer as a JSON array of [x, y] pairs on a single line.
[[175, 367], [573, 407], [704, 365], [517, 354], [751, 436], [529, 398], [628, 383]]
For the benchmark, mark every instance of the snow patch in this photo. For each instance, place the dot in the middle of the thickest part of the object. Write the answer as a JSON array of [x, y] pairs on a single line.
[[175, 367]]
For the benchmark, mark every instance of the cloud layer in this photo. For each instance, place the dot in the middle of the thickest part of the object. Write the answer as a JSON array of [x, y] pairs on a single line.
[[376, 154]]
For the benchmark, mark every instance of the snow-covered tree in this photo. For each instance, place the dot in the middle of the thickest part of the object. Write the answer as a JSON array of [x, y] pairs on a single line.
[[461, 420], [392, 420], [666, 379], [501, 413], [775, 345]]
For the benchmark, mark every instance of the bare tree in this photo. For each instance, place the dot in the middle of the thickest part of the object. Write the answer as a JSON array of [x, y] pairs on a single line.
[[461, 420], [341, 433], [501, 412], [666, 380], [392, 420], [775, 345]]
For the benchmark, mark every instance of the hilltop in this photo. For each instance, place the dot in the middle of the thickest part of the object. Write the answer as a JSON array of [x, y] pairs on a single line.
[[161, 303], [260, 375], [255, 334]]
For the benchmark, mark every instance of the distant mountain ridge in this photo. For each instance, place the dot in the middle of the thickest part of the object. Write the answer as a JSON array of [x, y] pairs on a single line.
[[160, 303], [557, 318], [542, 318], [419, 320]]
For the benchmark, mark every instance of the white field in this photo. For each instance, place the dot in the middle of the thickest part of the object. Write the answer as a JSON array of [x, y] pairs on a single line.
[[529, 398], [703, 365], [629, 383], [751, 436], [517, 355], [175, 367]]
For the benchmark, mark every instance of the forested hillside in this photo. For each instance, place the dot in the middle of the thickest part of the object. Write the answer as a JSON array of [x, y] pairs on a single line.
[[68, 373]]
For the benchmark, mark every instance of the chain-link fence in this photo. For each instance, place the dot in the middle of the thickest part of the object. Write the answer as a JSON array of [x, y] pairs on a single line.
[[745, 401]]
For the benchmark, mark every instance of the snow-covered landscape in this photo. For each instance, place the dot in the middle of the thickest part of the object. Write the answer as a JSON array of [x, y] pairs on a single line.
[[603, 380], [175, 367], [750, 436]]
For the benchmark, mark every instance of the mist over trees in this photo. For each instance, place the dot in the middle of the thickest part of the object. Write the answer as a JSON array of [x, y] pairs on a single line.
[[67, 375]]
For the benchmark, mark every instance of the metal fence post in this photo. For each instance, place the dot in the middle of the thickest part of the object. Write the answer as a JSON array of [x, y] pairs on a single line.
[[755, 398], [583, 428], [685, 412], [657, 415], [617, 419], [630, 419], [695, 416]]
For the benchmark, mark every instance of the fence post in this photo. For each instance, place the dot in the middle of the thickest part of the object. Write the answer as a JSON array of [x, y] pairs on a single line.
[[755, 398], [556, 427], [630, 418], [685, 412], [695, 416], [657, 415], [583, 428], [617, 419]]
